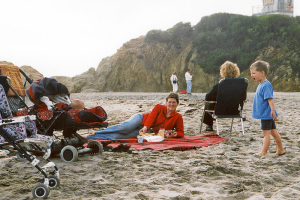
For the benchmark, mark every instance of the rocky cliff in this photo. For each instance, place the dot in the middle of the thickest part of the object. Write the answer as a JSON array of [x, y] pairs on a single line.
[[145, 64], [142, 67]]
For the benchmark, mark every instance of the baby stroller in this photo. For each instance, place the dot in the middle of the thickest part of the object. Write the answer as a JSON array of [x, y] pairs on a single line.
[[61, 117], [19, 135]]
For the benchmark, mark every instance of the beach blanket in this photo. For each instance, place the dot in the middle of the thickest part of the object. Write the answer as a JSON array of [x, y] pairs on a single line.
[[176, 144]]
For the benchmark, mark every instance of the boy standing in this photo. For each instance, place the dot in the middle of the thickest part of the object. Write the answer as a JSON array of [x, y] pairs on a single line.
[[263, 107]]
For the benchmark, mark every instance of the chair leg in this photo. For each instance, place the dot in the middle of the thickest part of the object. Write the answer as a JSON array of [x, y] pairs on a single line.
[[242, 126], [202, 121], [231, 125], [217, 126]]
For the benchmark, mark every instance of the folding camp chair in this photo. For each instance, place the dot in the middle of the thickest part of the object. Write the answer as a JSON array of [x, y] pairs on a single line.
[[232, 93]]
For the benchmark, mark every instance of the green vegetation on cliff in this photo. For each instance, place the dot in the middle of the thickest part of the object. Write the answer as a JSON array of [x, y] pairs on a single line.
[[241, 39], [237, 38], [172, 35]]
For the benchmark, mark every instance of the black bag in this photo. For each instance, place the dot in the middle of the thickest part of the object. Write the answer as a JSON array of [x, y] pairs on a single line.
[[174, 81]]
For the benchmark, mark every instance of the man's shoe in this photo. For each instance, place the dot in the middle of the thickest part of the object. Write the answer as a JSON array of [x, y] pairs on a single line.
[[209, 128], [56, 147], [81, 139], [76, 141]]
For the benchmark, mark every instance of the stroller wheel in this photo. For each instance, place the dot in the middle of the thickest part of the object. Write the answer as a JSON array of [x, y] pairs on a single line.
[[53, 182], [96, 147], [69, 154], [40, 191]]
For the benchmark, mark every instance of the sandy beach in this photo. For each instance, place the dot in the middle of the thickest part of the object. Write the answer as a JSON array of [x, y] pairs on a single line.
[[229, 170]]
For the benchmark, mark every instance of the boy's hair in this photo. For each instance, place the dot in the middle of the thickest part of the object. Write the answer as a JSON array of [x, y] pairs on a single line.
[[173, 95], [261, 66], [229, 70]]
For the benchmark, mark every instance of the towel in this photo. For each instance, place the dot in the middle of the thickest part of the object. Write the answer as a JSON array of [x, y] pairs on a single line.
[[16, 81]]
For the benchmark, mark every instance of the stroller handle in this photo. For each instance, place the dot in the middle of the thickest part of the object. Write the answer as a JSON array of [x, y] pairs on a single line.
[[26, 77], [7, 78]]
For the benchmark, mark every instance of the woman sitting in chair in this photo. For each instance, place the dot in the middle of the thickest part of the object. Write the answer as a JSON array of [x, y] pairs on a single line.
[[227, 70]]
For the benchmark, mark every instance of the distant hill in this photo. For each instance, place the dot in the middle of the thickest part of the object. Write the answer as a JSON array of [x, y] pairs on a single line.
[[145, 64]]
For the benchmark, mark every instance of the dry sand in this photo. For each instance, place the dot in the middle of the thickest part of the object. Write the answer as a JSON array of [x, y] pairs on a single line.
[[230, 170]]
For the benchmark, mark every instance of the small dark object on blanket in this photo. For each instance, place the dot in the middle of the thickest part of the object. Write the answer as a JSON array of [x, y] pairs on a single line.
[[119, 148]]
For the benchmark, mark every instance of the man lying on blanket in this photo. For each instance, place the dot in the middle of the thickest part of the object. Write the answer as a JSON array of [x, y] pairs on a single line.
[[161, 117]]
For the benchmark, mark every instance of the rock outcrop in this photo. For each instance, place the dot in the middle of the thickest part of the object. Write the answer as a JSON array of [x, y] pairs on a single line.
[[142, 67], [146, 67], [31, 72]]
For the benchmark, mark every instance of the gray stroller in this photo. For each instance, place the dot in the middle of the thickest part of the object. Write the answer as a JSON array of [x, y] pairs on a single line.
[[19, 136]]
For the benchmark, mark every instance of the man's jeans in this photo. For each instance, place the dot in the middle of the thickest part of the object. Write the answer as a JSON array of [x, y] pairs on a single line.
[[128, 129], [188, 87]]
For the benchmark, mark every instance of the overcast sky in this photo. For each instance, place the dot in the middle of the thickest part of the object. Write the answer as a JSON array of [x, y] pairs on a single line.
[[67, 37]]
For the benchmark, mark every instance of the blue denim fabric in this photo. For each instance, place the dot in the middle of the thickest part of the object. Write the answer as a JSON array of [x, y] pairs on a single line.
[[188, 87], [128, 129]]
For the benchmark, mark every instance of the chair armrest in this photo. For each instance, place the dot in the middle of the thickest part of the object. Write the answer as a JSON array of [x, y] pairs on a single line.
[[210, 110], [209, 101]]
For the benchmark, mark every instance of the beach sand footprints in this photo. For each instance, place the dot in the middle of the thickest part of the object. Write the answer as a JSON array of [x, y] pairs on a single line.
[[229, 170]]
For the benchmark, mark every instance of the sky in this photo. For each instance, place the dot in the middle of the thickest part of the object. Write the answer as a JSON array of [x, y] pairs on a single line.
[[68, 37]]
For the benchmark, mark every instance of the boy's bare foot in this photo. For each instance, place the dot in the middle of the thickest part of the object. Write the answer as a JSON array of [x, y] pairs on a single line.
[[262, 154], [280, 153]]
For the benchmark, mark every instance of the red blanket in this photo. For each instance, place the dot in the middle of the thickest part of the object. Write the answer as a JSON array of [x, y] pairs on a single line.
[[177, 144]]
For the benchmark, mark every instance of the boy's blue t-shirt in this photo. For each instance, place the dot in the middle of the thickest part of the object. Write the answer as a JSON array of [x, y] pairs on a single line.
[[261, 108]]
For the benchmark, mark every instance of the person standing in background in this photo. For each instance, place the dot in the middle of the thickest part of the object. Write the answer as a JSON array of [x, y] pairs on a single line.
[[174, 82], [188, 78]]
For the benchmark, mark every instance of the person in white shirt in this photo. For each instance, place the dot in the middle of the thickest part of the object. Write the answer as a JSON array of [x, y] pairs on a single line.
[[188, 78], [174, 82]]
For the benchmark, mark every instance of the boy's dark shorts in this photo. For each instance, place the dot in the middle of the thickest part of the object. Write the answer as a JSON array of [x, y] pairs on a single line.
[[268, 124]]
